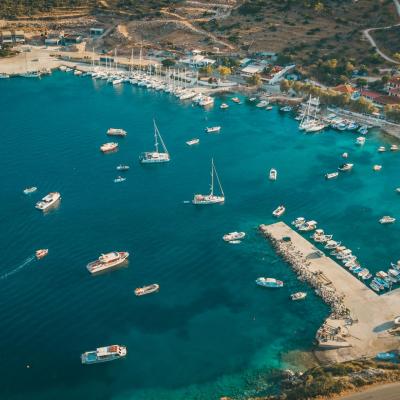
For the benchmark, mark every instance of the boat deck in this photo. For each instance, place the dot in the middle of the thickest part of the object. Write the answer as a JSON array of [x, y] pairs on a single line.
[[372, 314]]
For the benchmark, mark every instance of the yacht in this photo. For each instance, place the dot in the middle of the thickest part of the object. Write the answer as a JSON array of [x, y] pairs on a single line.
[[387, 220], [48, 201], [229, 237], [377, 167], [298, 296], [346, 167], [213, 129], [269, 282], [119, 179], [279, 211], [103, 354], [298, 222], [224, 106], [156, 156], [360, 140], [108, 147], [147, 289], [106, 261], [117, 81], [116, 132], [122, 167], [41, 253], [200, 199], [381, 149], [332, 244], [331, 175], [273, 174], [30, 190], [394, 147], [193, 141]]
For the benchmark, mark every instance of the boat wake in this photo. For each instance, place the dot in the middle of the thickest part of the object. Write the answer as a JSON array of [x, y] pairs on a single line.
[[19, 268]]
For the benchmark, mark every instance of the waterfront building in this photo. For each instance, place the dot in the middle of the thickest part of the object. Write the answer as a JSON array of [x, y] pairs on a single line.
[[6, 37], [19, 37]]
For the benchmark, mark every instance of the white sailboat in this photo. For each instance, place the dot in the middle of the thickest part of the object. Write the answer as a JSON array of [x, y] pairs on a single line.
[[156, 156], [200, 199]]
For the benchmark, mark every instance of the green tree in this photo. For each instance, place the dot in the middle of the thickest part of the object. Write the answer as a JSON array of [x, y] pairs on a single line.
[[362, 82], [168, 62], [254, 80], [206, 70], [285, 85]]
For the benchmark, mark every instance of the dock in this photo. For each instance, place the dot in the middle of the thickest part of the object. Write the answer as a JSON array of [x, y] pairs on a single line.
[[361, 323]]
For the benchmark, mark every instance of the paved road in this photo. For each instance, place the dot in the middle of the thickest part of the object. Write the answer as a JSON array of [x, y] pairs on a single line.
[[386, 392]]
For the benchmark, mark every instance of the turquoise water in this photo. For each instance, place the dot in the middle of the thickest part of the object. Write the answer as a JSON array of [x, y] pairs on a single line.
[[209, 331]]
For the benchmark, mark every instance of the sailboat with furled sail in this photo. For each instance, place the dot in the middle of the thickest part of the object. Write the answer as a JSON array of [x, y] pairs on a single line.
[[200, 199], [156, 156]]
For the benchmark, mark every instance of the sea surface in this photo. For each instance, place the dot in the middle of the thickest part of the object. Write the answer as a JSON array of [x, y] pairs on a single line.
[[210, 331]]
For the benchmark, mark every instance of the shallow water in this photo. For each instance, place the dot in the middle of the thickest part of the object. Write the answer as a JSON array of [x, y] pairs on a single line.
[[209, 331]]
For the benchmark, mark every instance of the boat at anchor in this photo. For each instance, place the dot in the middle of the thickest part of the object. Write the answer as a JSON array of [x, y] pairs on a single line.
[[104, 354], [141, 291], [48, 201], [229, 237], [156, 156], [269, 282], [108, 260]]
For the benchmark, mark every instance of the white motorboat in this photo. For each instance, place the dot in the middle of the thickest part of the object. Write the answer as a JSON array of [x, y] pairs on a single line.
[[360, 140], [117, 81], [332, 244], [381, 149], [331, 175], [103, 354], [147, 289], [193, 142], [377, 167], [298, 296], [41, 253], [77, 72], [107, 261], [345, 155], [279, 211], [48, 201], [268, 108], [156, 156], [394, 147], [224, 106], [108, 147], [286, 109], [119, 179], [213, 129], [387, 220], [200, 199], [122, 167], [30, 190], [346, 167], [273, 174], [187, 95], [236, 100], [262, 103], [308, 226], [116, 132], [229, 237], [299, 222], [206, 101]]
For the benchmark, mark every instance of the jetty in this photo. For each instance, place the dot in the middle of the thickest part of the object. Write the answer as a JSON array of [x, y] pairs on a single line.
[[361, 323]]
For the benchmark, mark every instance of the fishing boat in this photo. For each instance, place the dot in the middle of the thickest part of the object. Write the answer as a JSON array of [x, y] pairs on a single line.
[[286, 109], [193, 141], [147, 289], [394, 147], [387, 220], [298, 296], [109, 147], [331, 175], [107, 261], [213, 129], [104, 354], [41, 253], [30, 190], [308, 226], [156, 156], [332, 244], [262, 103], [273, 174], [229, 237], [48, 201], [119, 179], [116, 132], [360, 140], [122, 167], [299, 222], [200, 199], [269, 282], [224, 106], [236, 100], [377, 167], [279, 211], [381, 149], [346, 167]]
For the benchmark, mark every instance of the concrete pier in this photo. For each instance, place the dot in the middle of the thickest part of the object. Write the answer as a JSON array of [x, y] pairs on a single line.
[[362, 322]]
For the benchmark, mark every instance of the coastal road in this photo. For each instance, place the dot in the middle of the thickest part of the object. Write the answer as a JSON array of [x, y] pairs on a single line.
[[390, 391]]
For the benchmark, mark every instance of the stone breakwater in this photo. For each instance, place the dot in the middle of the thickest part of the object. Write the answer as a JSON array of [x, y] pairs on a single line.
[[360, 324]]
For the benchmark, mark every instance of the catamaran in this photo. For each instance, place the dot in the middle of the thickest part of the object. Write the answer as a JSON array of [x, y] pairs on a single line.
[[156, 156], [210, 198]]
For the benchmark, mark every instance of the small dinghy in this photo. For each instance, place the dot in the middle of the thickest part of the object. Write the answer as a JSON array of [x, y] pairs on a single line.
[[273, 174], [119, 179], [30, 190], [279, 211], [298, 296]]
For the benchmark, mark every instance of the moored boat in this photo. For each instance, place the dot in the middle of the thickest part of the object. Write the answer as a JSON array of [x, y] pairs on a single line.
[[308, 226], [156, 156], [104, 354], [377, 167], [273, 174], [108, 147], [269, 282], [229, 237], [394, 147], [224, 106], [387, 220], [360, 140], [346, 167], [119, 179], [286, 109], [48, 201], [381, 149], [30, 190], [193, 141], [213, 129], [141, 291], [279, 211], [236, 100], [298, 296], [331, 175], [116, 132], [122, 167], [108, 260]]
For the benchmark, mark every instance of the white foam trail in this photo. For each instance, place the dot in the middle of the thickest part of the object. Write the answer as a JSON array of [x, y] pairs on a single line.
[[19, 268]]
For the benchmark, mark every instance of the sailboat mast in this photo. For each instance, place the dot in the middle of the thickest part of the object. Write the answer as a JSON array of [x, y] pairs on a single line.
[[219, 182], [155, 136], [212, 177]]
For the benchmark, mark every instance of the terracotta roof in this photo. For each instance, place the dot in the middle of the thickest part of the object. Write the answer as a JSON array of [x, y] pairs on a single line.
[[370, 94], [344, 89], [395, 79], [384, 100], [395, 92]]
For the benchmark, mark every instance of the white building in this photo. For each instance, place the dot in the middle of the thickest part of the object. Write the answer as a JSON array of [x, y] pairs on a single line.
[[197, 60]]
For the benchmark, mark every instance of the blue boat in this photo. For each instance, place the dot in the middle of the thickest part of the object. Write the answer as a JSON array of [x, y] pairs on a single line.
[[385, 356], [269, 282]]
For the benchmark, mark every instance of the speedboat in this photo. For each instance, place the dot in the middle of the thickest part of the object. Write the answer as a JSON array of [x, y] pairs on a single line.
[[269, 282], [298, 222], [360, 140], [279, 211], [236, 100], [119, 179], [116, 132], [122, 167], [30, 190], [262, 103], [308, 226], [213, 129], [41, 253], [48, 201], [377, 167], [381, 149], [273, 174], [387, 220], [108, 147], [192, 142], [298, 296], [346, 167], [394, 147], [224, 106], [331, 175], [117, 81], [108, 260], [147, 289], [103, 354], [229, 237]]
